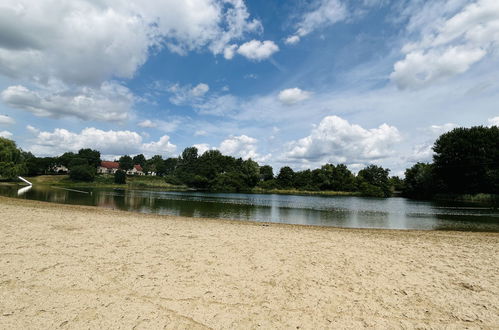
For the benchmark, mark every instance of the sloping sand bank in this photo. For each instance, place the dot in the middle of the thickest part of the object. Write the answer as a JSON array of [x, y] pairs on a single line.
[[83, 267]]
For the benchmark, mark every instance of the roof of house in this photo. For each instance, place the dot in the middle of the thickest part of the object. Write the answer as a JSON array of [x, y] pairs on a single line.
[[110, 165], [138, 167]]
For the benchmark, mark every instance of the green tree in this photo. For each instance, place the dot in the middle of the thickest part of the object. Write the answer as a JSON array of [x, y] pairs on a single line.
[[66, 158], [397, 183], [266, 173], [92, 157], [187, 166], [140, 159], [157, 164], [286, 177], [200, 182], [11, 162], [250, 171], [230, 181], [376, 176], [420, 181], [82, 173], [367, 189], [38, 165], [211, 164], [190, 155], [78, 161], [467, 160], [120, 177], [303, 180], [336, 178], [126, 163], [170, 165]]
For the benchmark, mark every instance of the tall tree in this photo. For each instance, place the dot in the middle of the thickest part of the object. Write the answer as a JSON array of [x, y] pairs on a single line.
[[266, 173], [420, 181], [92, 157], [140, 159], [250, 172], [66, 158], [286, 177], [157, 164], [467, 160], [126, 163], [170, 165], [11, 162], [377, 176]]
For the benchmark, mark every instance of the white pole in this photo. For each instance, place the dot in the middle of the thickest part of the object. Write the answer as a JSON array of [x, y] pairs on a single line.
[[23, 179]]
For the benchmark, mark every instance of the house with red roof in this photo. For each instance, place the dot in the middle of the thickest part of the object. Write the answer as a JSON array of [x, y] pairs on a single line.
[[136, 170], [108, 167]]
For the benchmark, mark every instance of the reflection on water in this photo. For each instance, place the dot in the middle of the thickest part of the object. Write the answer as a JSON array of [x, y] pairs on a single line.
[[353, 212], [23, 190]]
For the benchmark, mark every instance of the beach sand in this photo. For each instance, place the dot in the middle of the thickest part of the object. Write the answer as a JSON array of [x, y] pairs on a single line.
[[76, 267]]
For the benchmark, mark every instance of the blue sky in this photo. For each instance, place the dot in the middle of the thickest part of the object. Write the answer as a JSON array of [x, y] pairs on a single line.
[[297, 83]]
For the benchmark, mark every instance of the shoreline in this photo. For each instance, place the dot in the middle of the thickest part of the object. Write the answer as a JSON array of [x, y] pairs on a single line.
[[74, 266], [154, 183], [236, 221]]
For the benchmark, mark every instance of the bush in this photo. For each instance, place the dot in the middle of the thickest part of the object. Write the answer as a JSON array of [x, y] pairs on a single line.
[[82, 173], [370, 190], [377, 177], [171, 179], [269, 184], [120, 177], [230, 181], [199, 182]]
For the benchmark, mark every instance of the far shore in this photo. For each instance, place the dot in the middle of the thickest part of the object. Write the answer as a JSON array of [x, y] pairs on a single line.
[[65, 266], [151, 182]]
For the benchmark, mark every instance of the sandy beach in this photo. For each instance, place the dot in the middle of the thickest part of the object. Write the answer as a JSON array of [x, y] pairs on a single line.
[[77, 267]]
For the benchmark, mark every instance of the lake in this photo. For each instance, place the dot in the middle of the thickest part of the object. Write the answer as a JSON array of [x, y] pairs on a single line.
[[338, 211]]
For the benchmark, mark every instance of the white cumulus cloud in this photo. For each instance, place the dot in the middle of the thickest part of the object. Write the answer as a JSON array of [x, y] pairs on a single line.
[[242, 146], [80, 45], [336, 140], [293, 95], [450, 46], [111, 143], [84, 41], [202, 148], [230, 51], [257, 50], [109, 102]]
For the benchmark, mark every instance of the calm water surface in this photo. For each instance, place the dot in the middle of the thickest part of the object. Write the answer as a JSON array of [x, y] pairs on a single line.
[[352, 212]]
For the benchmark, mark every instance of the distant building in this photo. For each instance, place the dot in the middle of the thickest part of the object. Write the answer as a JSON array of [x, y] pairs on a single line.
[[108, 167], [60, 169], [136, 170], [112, 167]]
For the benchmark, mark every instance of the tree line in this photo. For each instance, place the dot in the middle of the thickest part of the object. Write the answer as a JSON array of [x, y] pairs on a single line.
[[466, 160]]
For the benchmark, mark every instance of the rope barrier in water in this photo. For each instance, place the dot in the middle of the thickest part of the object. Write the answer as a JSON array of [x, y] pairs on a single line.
[[78, 191]]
